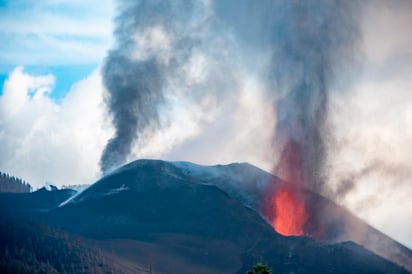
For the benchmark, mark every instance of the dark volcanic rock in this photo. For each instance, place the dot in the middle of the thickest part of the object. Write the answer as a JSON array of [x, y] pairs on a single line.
[[178, 213]]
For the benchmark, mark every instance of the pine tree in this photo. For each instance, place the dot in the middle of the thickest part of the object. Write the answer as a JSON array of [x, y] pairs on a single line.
[[260, 268], [13, 184]]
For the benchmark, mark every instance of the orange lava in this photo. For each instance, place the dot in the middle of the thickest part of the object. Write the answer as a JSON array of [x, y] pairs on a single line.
[[290, 212], [288, 206]]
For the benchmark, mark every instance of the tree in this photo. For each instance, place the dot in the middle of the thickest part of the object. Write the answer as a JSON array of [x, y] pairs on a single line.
[[13, 184], [260, 268]]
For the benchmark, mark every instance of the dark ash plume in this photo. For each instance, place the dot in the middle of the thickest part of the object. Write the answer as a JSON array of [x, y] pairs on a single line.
[[134, 87], [150, 45], [155, 39], [134, 104], [312, 39]]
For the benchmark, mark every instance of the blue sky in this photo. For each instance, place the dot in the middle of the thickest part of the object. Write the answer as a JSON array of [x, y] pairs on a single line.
[[51, 92], [66, 38], [65, 75]]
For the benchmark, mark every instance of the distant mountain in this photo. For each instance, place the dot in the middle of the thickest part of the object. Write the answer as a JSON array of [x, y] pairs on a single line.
[[178, 217], [42, 200]]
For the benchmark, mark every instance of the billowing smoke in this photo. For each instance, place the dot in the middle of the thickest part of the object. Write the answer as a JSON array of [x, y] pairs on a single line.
[[294, 47], [134, 105], [159, 46], [135, 72], [313, 39]]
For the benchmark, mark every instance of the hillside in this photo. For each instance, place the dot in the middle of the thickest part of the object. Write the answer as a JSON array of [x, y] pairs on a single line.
[[180, 215], [42, 200], [177, 217], [30, 247]]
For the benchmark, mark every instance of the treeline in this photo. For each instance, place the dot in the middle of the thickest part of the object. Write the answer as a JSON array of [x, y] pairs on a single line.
[[28, 247], [13, 184]]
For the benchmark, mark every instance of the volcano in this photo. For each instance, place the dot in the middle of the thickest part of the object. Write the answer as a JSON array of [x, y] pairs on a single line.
[[179, 217]]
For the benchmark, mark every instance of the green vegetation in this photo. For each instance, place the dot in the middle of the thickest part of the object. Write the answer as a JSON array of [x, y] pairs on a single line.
[[260, 268], [13, 184], [28, 247]]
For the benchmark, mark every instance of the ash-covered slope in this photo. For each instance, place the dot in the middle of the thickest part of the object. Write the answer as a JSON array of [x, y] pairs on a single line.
[[191, 219], [254, 187]]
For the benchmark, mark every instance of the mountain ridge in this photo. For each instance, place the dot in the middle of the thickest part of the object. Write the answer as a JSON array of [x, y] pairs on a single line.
[[175, 213], [144, 176]]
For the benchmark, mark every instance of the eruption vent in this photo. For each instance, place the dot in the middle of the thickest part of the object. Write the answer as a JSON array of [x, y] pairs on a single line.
[[316, 37], [290, 212]]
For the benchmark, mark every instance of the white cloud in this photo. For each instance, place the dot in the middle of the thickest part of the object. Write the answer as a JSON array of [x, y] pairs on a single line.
[[45, 141], [386, 31], [374, 132], [373, 124], [239, 129], [53, 33]]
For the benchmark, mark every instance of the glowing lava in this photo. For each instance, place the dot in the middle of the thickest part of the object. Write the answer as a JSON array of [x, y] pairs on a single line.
[[290, 212], [288, 204]]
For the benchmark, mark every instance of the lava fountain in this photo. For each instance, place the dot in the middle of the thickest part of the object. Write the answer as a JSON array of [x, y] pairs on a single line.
[[288, 207], [290, 214], [312, 43]]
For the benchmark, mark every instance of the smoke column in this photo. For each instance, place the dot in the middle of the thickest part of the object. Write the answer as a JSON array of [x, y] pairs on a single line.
[[304, 41], [134, 85], [156, 43], [311, 42], [313, 39]]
